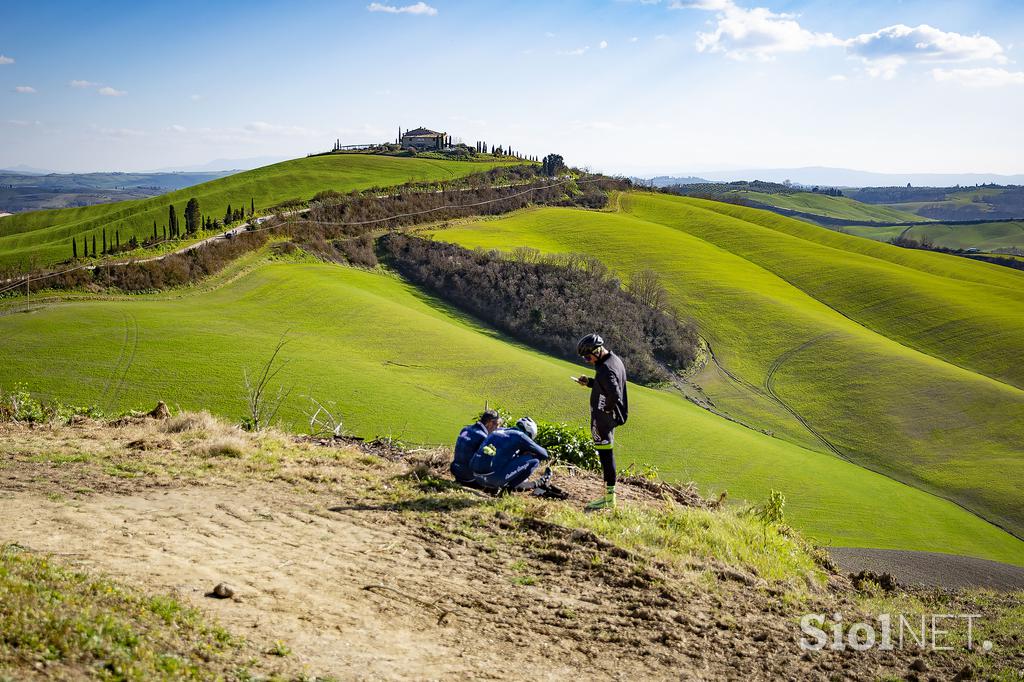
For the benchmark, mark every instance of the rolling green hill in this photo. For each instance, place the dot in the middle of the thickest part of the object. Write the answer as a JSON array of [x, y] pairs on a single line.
[[398, 362], [45, 235], [831, 207], [907, 362], [981, 236]]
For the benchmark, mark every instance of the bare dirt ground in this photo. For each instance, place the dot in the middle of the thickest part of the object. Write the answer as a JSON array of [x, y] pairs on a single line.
[[931, 569], [360, 581]]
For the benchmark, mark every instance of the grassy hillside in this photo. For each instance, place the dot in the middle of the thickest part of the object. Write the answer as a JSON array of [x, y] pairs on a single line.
[[832, 207], [397, 362], [45, 235], [982, 236], [907, 362]]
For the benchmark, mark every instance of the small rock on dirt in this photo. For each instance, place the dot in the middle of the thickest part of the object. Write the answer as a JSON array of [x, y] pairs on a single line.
[[160, 411], [918, 665], [223, 591]]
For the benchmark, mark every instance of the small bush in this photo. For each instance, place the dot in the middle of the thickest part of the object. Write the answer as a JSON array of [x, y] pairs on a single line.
[[191, 421], [20, 405], [222, 446], [569, 445]]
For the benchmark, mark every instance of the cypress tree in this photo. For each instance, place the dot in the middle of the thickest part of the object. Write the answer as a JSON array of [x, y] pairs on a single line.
[[74, 248], [104, 241], [154, 231], [165, 233], [117, 236], [192, 215], [252, 206], [172, 221], [227, 215]]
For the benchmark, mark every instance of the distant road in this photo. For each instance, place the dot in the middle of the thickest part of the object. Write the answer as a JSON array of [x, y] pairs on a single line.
[[931, 568]]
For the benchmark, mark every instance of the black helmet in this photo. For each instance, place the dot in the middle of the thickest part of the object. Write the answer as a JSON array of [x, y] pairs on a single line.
[[588, 344]]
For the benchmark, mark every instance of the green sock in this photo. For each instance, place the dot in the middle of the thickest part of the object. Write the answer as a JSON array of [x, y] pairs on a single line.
[[610, 490]]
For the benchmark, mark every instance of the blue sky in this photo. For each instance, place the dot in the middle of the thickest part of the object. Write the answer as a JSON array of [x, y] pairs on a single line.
[[639, 87]]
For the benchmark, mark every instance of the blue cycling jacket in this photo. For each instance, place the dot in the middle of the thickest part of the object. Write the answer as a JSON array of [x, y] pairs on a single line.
[[507, 443], [469, 441]]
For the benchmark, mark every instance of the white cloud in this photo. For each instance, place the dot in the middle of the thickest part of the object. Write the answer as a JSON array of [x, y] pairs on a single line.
[[111, 92], [123, 133], [633, 39], [603, 44], [23, 124], [4, 59], [24, 89], [195, 98], [421, 8], [888, 49], [82, 84], [837, 77], [549, 34], [757, 33], [925, 43], [710, 5], [575, 52], [987, 77], [177, 128]]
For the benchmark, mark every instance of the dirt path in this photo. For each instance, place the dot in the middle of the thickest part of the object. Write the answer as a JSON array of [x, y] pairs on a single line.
[[300, 573], [354, 592], [931, 569]]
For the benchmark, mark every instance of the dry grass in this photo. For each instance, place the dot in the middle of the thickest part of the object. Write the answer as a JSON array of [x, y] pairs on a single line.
[[192, 421]]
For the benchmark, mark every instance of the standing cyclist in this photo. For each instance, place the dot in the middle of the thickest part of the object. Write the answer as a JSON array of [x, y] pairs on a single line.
[[609, 408]]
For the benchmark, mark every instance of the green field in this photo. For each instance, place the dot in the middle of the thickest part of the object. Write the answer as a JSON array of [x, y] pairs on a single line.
[[982, 236], [831, 207], [397, 362], [907, 362], [44, 237]]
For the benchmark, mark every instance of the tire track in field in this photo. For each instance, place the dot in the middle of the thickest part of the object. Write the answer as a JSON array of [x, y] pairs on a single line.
[[133, 330], [769, 380], [117, 364]]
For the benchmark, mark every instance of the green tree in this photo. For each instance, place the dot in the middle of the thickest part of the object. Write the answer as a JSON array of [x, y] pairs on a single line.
[[117, 239], [252, 206], [172, 221], [228, 215], [104, 240], [192, 216], [74, 248]]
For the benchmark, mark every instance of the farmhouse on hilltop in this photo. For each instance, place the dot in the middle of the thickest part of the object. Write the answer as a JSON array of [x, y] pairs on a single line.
[[423, 138]]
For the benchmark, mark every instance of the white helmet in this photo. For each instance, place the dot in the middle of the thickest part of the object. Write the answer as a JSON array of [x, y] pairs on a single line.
[[527, 426]]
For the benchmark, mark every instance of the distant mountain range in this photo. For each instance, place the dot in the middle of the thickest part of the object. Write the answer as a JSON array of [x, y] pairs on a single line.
[[842, 177], [224, 164]]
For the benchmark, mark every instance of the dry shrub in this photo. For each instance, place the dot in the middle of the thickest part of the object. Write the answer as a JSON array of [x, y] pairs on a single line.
[[192, 421], [225, 445]]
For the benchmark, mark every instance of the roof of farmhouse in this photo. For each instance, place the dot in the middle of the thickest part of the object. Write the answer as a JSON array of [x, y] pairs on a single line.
[[421, 132]]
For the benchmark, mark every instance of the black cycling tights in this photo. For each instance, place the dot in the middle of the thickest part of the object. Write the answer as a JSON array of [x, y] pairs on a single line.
[[608, 465]]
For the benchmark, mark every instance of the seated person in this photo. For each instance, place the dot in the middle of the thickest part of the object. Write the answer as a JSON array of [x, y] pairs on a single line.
[[469, 441], [508, 457]]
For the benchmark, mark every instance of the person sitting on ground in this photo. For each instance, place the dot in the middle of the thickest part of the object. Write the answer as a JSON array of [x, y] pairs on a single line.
[[508, 457], [469, 441]]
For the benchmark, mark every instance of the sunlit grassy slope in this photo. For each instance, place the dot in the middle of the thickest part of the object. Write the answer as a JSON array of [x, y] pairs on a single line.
[[394, 361], [908, 362], [832, 207], [45, 236]]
